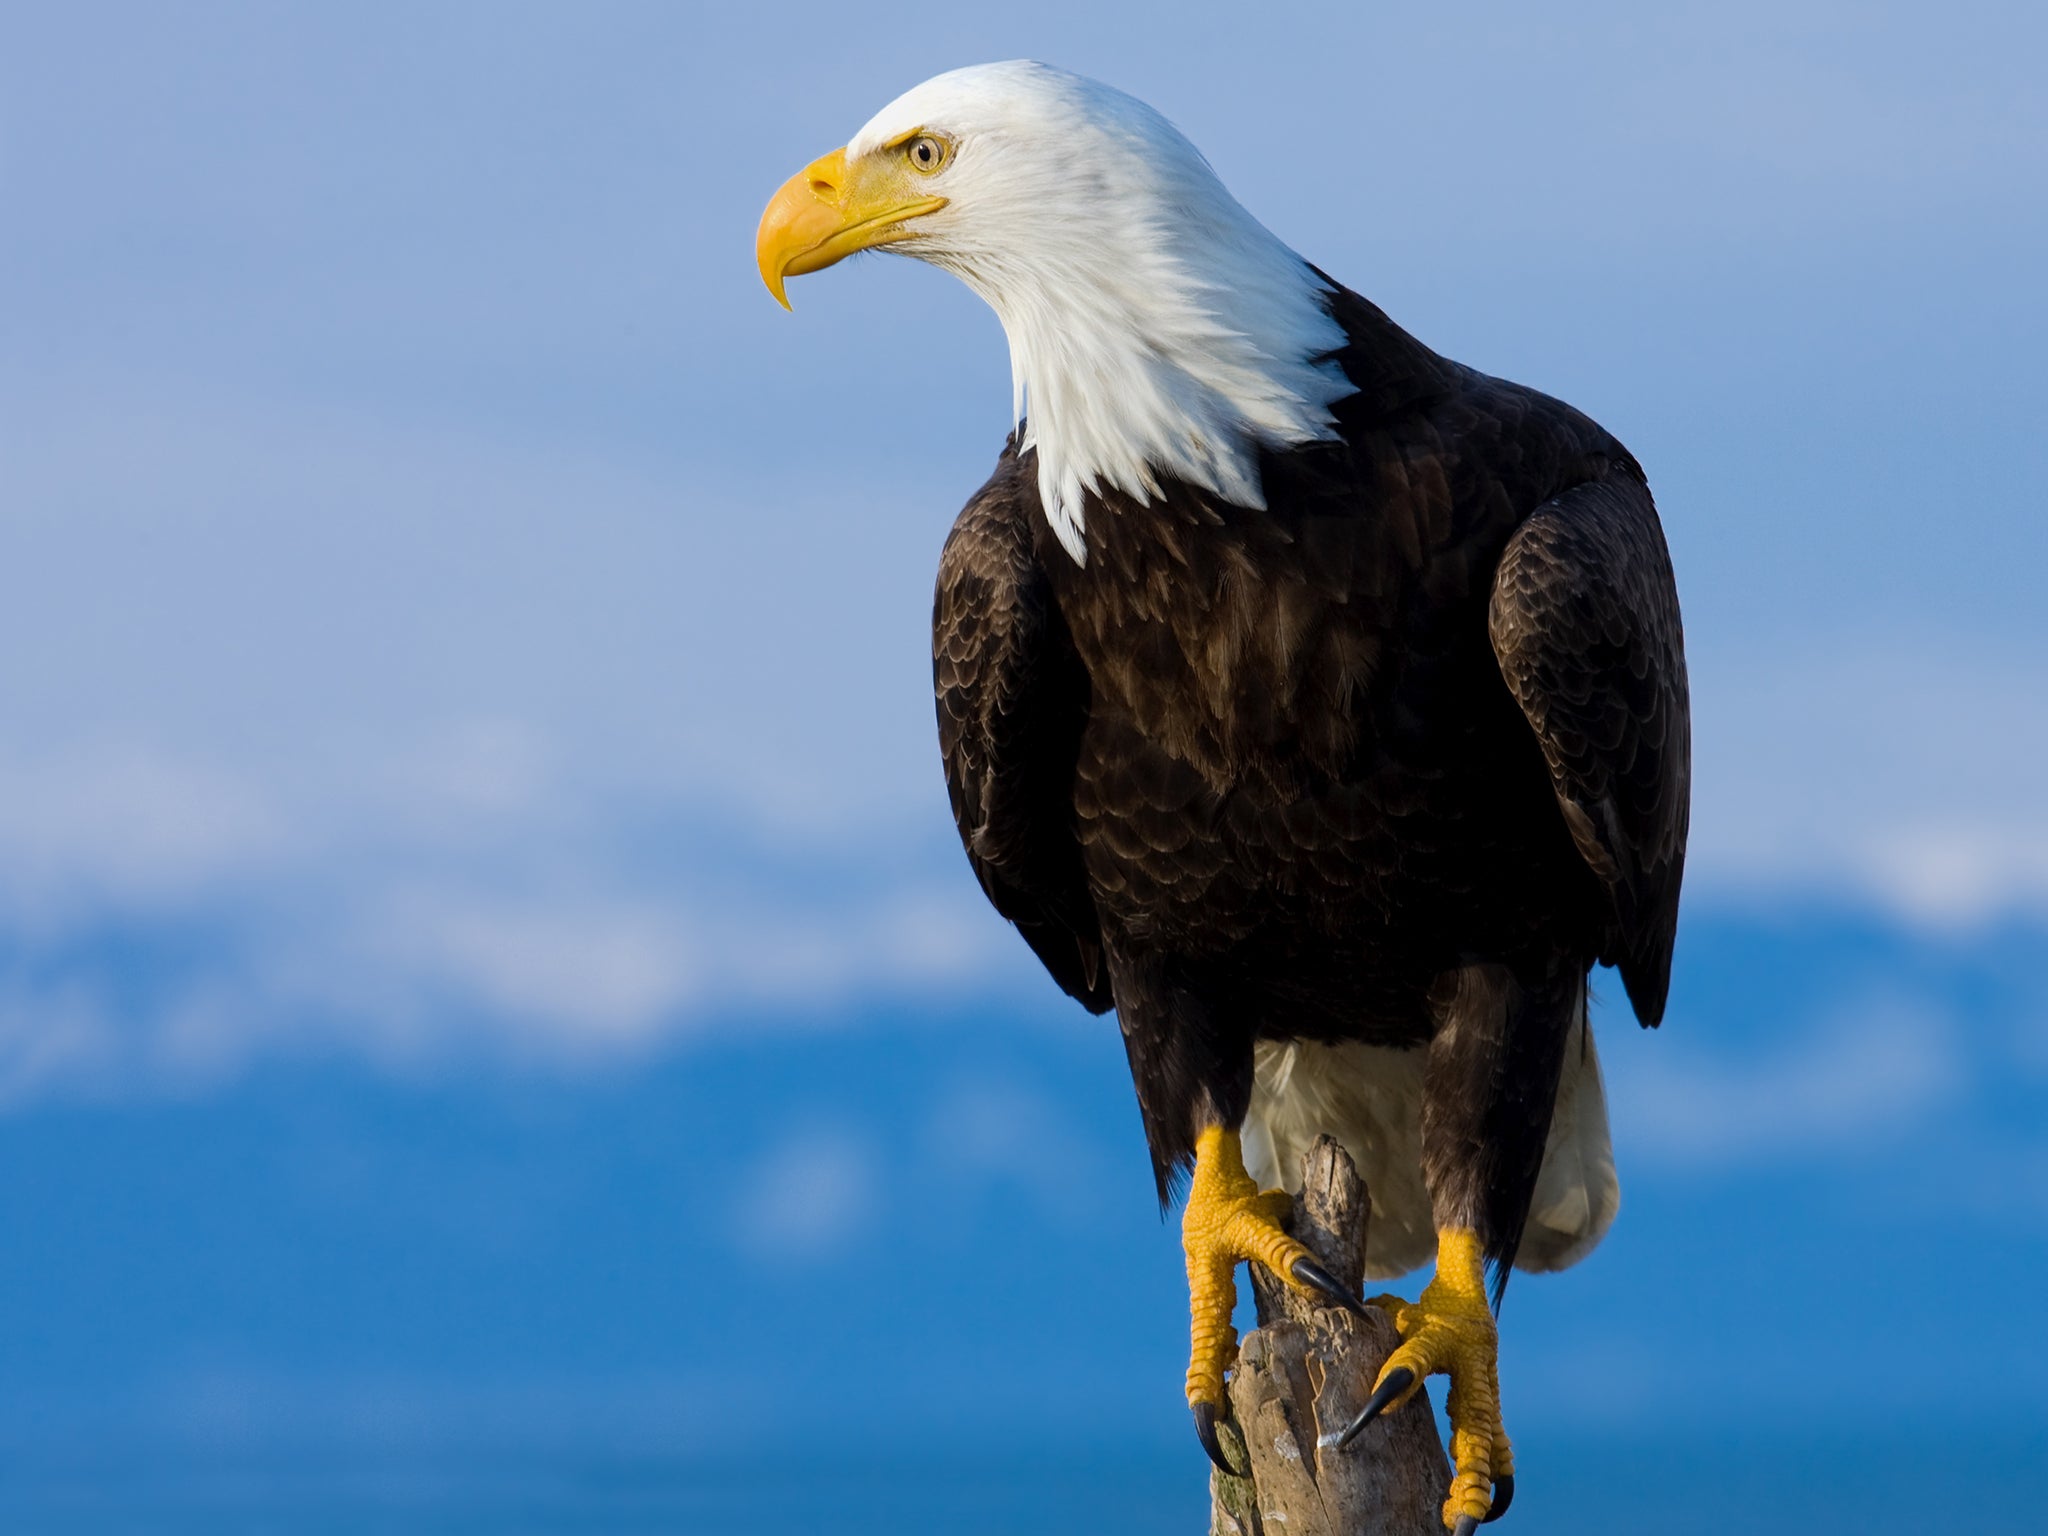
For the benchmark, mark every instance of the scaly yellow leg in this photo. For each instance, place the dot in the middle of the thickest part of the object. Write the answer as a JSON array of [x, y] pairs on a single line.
[[1449, 1330], [1229, 1219]]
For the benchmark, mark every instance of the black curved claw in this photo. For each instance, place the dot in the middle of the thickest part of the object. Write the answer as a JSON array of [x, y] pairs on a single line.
[[1465, 1527], [1317, 1278], [1503, 1496], [1395, 1384], [1205, 1431]]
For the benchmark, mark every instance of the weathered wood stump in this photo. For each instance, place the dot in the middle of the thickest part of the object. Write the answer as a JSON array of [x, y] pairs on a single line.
[[1302, 1376]]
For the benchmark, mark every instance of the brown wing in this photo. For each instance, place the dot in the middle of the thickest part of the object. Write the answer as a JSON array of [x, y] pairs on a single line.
[[1012, 700], [1584, 619]]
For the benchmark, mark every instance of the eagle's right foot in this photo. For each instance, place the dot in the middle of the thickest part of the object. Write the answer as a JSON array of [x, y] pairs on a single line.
[[1229, 1219], [1450, 1330]]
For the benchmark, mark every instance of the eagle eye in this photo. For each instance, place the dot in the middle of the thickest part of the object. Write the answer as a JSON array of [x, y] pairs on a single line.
[[926, 153]]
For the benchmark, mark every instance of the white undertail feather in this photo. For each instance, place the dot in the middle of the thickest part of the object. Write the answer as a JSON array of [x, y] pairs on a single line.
[[1156, 328], [1370, 1098], [1577, 1193]]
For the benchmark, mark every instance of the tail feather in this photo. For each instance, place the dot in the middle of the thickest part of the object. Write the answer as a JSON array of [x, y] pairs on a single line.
[[1370, 1098]]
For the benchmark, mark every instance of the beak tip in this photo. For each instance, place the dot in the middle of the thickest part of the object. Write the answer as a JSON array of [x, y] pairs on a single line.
[[799, 222]]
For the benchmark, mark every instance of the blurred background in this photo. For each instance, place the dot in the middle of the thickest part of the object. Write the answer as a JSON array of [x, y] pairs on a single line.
[[496, 1031]]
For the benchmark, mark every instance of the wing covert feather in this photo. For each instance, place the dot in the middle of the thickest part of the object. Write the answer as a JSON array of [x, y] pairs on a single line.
[[1585, 623], [1012, 700]]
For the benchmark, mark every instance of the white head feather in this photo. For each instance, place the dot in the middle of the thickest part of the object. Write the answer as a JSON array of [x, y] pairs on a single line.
[[1156, 328]]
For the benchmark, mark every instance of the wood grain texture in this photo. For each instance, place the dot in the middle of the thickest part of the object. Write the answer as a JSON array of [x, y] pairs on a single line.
[[1302, 1376]]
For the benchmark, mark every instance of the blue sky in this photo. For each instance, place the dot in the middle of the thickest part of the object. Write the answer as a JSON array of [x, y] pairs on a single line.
[[429, 560], [466, 647]]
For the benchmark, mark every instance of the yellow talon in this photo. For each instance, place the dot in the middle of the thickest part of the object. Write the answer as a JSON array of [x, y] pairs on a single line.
[[1228, 1219], [1449, 1330]]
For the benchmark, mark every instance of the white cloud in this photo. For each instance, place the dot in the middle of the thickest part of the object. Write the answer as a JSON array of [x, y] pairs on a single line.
[[1899, 772], [810, 1194], [599, 973], [407, 739], [1870, 1072], [1959, 874], [165, 921], [122, 824], [985, 1128], [54, 1034]]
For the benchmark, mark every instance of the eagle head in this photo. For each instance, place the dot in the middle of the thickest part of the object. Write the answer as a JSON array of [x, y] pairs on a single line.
[[1157, 330]]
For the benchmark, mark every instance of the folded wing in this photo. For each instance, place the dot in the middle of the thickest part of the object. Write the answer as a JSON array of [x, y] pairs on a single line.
[[1012, 701], [1584, 620]]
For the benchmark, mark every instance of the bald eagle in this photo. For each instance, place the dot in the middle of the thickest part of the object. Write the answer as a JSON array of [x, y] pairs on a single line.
[[1314, 701]]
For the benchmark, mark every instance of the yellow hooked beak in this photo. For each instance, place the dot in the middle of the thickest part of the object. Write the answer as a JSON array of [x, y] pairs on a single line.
[[826, 212]]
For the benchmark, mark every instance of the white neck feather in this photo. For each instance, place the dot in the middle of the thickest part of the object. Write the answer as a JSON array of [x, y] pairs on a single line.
[[1157, 330], [1122, 378]]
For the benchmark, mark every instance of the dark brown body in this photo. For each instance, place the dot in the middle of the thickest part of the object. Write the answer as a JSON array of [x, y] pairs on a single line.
[[1395, 759]]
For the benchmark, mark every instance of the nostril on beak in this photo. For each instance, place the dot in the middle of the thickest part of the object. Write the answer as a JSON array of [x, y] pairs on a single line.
[[824, 188]]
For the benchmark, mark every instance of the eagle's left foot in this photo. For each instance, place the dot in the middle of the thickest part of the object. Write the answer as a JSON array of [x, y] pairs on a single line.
[[1229, 1219], [1450, 1330]]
